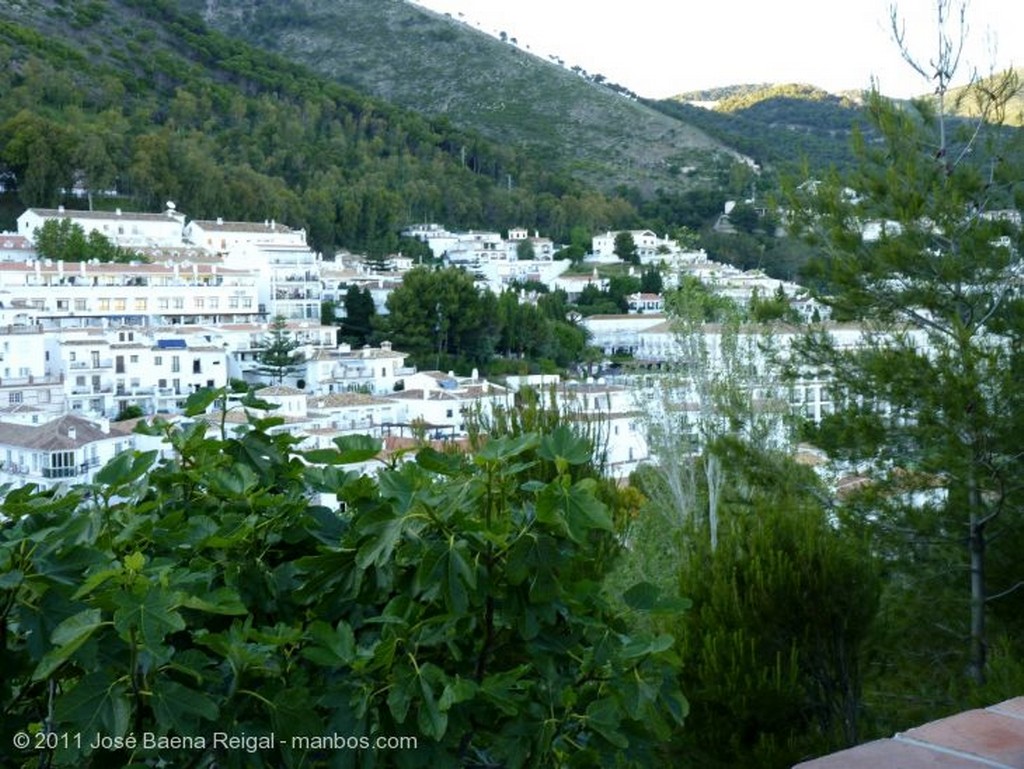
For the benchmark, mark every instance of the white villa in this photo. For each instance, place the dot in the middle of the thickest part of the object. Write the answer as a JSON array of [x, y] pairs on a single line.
[[63, 450], [123, 228]]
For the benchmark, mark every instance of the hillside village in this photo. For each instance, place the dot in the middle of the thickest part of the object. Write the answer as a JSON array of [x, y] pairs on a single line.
[[87, 342]]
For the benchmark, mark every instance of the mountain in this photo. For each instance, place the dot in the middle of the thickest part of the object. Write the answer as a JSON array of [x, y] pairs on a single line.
[[778, 125], [135, 103], [787, 125], [417, 59]]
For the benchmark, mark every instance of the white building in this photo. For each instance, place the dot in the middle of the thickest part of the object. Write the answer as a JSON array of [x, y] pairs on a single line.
[[106, 370], [122, 228], [649, 247], [68, 294], [543, 248], [369, 369], [444, 405], [30, 377], [16, 248], [66, 450]]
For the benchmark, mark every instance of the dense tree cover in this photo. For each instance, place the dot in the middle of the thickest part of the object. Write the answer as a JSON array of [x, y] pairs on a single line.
[[771, 651], [456, 599], [783, 133], [932, 409], [441, 317], [443, 320]]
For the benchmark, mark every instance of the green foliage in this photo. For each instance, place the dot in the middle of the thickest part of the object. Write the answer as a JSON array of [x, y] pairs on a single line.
[[780, 126], [280, 356], [173, 110], [443, 599], [360, 311], [773, 308], [651, 281], [782, 606], [625, 248], [694, 302], [440, 316], [525, 250], [129, 412], [928, 407], [66, 240]]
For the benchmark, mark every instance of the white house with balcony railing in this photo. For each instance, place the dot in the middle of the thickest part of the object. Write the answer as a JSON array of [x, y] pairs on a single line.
[[367, 369], [63, 451], [107, 370], [68, 294]]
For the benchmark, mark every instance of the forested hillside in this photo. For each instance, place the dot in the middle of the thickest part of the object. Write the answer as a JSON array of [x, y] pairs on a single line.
[[781, 126], [134, 97]]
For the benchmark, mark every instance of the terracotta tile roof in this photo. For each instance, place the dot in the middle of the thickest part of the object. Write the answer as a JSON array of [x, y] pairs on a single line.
[[992, 737]]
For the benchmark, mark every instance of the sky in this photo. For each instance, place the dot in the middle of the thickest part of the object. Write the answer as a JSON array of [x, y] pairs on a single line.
[[659, 48]]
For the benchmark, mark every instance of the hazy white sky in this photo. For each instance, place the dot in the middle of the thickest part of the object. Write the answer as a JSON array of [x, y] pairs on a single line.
[[660, 48]]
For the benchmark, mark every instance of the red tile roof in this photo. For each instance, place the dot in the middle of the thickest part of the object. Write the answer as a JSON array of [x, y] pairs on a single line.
[[992, 737]]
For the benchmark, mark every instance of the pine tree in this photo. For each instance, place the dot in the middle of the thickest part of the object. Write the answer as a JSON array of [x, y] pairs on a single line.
[[922, 244], [281, 356]]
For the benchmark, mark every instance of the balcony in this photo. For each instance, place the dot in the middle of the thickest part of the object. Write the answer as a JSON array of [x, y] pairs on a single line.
[[86, 365]]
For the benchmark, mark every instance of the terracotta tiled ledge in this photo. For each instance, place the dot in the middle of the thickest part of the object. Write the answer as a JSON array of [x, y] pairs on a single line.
[[991, 738]]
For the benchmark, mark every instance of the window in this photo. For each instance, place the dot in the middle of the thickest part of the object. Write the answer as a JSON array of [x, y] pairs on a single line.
[[158, 360], [14, 397], [200, 302], [141, 303], [63, 304], [133, 358], [179, 303], [175, 363], [104, 305], [80, 304], [163, 303], [62, 465], [120, 305], [214, 303]]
